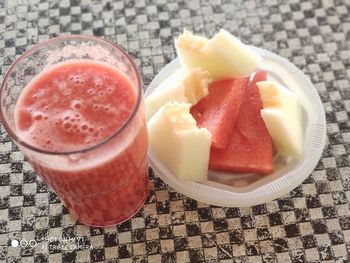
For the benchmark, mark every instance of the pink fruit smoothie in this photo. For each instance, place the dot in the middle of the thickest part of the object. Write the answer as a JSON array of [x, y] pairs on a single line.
[[73, 106]]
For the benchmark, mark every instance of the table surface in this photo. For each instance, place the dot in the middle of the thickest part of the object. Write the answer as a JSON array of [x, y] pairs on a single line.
[[310, 224]]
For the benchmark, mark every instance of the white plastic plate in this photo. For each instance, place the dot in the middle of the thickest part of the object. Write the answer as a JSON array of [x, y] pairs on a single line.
[[239, 190]]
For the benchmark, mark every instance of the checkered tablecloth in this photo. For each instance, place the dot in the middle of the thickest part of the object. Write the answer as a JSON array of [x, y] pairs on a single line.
[[310, 224]]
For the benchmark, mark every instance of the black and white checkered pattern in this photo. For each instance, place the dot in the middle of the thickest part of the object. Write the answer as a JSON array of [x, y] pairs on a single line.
[[310, 224]]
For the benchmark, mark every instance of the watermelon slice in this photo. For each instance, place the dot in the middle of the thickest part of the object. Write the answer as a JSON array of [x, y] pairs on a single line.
[[218, 110], [250, 146]]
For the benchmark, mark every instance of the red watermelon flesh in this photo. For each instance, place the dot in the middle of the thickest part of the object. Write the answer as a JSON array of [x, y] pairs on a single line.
[[250, 146], [259, 76], [220, 108]]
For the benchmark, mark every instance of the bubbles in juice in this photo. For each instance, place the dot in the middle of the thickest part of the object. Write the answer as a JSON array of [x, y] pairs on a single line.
[[74, 105]]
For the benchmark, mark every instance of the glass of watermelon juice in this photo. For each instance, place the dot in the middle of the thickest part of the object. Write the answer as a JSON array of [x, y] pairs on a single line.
[[74, 107]]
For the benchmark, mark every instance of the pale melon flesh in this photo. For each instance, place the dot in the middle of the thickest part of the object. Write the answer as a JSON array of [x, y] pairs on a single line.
[[182, 86], [282, 117], [223, 56], [179, 144]]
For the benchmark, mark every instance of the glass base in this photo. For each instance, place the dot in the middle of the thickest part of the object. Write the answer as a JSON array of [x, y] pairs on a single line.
[[117, 221]]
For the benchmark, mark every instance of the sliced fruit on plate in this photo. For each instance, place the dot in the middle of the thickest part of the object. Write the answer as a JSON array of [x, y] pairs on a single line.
[[176, 140], [181, 86], [223, 56], [282, 116], [219, 110], [250, 147], [195, 85]]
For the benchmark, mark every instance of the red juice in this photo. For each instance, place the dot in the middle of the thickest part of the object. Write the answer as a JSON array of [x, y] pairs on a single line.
[[77, 105]]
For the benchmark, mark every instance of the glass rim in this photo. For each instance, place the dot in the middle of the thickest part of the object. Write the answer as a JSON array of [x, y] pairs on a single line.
[[28, 52]]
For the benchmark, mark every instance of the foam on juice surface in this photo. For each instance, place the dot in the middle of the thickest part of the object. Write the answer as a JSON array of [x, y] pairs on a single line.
[[73, 105]]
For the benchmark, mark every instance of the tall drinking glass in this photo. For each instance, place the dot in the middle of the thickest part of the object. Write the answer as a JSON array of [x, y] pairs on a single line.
[[74, 107]]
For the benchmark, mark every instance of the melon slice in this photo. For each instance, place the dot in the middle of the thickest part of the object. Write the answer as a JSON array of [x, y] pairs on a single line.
[[282, 116], [181, 86], [220, 108], [223, 56], [176, 140], [250, 146]]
